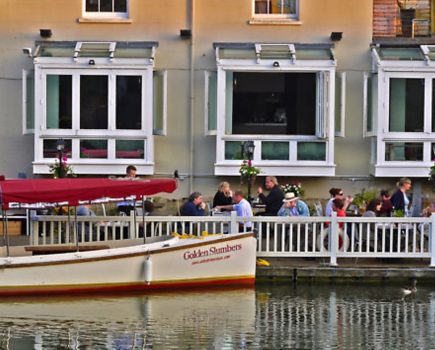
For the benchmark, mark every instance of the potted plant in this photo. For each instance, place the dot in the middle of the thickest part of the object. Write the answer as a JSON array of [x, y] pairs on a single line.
[[407, 14]]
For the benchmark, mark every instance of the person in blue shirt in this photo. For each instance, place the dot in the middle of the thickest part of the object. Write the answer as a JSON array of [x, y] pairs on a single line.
[[194, 206]]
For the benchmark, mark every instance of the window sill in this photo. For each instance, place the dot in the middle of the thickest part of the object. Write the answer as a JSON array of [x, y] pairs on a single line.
[[105, 20], [275, 22]]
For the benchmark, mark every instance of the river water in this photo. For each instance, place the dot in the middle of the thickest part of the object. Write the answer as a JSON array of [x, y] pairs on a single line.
[[267, 317]]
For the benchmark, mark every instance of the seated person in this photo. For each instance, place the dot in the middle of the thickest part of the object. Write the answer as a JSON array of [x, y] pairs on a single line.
[[224, 195], [274, 199], [289, 207], [242, 208], [127, 206], [84, 227], [193, 207]]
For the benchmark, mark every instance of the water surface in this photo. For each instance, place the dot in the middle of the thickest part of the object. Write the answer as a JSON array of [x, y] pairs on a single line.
[[268, 317]]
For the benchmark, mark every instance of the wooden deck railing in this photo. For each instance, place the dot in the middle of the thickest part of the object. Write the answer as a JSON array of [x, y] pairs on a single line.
[[287, 237]]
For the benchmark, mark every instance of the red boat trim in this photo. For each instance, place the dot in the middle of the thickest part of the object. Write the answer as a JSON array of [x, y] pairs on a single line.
[[127, 287], [127, 255]]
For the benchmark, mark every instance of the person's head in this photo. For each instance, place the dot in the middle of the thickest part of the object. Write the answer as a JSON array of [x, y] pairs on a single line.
[[385, 194], [337, 204], [196, 198], [374, 205], [271, 182], [336, 192], [290, 200], [131, 171], [238, 196], [224, 187], [404, 184]]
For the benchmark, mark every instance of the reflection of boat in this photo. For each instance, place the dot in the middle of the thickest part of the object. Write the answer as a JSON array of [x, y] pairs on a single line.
[[165, 263], [163, 320]]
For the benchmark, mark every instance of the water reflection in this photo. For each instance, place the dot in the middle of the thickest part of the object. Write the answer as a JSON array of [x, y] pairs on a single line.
[[270, 317]]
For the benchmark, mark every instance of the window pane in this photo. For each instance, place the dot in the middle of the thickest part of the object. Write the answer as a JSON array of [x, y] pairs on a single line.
[[59, 101], [275, 150], [403, 151], [128, 102], [106, 6], [406, 105], [275, 7], [93, 148], [311, 151], [93, 101], [131, 149], [50, 149], [283, 7], [274, 103], [120, 5], [92, 5], [233, 150]]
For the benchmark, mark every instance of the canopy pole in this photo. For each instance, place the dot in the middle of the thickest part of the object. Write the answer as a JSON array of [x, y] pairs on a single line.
[[143, 219], [5, 230]]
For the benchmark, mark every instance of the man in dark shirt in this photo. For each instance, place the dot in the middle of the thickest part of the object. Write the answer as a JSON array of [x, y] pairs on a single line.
[[274, 199]]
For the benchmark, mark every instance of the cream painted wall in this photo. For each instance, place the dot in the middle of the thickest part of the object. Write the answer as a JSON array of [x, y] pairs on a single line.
[[215, 21]]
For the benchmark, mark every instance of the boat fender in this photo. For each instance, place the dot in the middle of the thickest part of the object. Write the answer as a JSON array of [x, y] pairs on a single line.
[[148, 273]]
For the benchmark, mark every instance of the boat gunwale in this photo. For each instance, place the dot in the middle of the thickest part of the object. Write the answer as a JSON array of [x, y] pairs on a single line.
[[73, 258]]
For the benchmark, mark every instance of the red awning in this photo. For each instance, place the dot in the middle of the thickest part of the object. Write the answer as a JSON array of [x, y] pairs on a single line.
[[71, 191]]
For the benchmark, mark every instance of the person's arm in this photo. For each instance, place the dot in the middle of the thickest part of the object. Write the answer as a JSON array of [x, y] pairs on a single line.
[[225, 207]]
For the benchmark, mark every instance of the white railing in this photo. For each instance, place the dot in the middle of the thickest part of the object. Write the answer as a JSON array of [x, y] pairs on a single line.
[[328, 237]]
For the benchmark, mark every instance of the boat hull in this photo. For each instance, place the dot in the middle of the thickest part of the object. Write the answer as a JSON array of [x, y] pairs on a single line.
[[176, 263]]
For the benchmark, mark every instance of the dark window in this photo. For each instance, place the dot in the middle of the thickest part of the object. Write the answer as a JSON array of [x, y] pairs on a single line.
[[128, 102], [274, 103], [93, 102]]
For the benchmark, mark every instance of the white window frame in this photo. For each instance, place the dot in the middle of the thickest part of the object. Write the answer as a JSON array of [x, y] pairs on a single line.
[[326, 118], [274, 16], [380, 166], [109, 165], [105, 15]]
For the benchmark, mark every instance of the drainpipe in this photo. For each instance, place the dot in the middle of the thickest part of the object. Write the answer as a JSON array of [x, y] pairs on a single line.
[[192, 95]]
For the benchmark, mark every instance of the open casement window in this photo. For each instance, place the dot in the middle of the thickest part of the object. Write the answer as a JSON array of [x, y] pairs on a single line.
[[210, 103], [322, 92], [28, 101], [160, 102], [281, 97], [402, 90], [97, 97], [340, 104], [105, 9]]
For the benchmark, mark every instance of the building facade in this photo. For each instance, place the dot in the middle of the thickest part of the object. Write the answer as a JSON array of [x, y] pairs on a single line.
[[331, 92]]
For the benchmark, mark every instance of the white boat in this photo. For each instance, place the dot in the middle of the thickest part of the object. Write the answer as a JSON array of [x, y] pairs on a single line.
[[169, 262]]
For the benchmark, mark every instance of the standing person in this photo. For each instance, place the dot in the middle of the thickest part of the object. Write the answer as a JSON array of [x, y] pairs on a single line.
[[289, 208], [194, 206], [223, 196], [243, 209], [386, 205], [399, 199], [126, 207], [274, 199], [337, 193]]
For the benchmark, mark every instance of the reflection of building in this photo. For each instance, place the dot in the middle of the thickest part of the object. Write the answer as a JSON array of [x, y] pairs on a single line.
[[123, 85]]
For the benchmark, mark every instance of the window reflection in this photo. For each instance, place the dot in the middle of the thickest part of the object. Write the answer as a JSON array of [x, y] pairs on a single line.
[[398, 151], [93, 148], [59, 102]]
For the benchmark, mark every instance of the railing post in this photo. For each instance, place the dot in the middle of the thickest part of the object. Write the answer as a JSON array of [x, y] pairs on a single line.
[[234, 227], [432, 240], [34, 238], [333, 239]]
